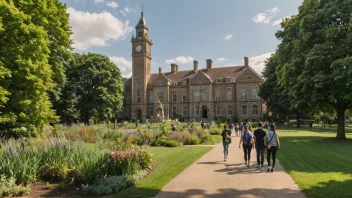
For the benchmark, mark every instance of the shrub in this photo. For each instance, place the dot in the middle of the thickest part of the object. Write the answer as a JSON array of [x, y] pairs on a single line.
[[172, 143], [9, 188], [215, 130], [192, 140], [207, 139]]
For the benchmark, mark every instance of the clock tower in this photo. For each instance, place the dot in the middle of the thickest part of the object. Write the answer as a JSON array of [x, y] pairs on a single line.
[[141, 69]]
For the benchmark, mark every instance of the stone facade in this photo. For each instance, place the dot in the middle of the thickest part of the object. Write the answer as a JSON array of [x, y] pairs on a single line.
[[193, 94]]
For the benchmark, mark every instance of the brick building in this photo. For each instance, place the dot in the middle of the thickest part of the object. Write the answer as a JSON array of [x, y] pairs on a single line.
[[200, 93]]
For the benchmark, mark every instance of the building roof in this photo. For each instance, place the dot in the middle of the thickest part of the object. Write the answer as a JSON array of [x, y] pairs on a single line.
[[214, 73], [142, 22]]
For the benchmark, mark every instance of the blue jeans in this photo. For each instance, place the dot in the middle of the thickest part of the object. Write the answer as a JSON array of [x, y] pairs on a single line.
[[226, 148]]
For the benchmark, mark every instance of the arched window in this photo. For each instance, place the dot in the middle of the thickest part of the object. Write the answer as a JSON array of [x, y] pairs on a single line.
[[255, 110]]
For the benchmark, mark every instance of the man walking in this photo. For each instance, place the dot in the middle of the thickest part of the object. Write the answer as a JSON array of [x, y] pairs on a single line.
[[259, 135]]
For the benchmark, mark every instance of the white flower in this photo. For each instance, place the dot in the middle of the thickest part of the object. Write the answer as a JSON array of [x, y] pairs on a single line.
[[23, 128]]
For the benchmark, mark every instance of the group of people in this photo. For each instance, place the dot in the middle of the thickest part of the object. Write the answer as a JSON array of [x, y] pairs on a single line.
[[260, 141]]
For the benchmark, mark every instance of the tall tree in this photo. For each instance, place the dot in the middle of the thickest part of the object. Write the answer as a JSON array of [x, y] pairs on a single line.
[[315, 57], [53, 17], [24, 55], [277, 98], [96, 83]]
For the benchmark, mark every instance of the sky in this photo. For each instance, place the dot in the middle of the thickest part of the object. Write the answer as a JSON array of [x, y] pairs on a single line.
[[182, 31]]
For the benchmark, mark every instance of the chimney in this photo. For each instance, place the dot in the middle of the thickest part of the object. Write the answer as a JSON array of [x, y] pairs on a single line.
[[173, 68], [209, 63], [176, 68], [195, 65], [160, 70], [246, 61]]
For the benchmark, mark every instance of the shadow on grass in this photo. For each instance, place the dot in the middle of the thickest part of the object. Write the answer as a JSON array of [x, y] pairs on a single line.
[[319, 129]]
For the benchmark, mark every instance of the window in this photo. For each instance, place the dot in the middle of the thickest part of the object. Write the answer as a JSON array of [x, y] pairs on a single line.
[[174, 97], [243, 94], [138, 96], [196, 110], [184, 97], [218, 110], [184, 82], [228, 80], [254, 93], [175, 83], [248, 77], [174, 111], [151, 111], [255, 110], [244, 109], [161, 96], [204, 94], [229, 110], [217, 94], [151, 96], [129, 97], [219, 80], [229, 93], [184, 110], [196, 94], [140, 34]]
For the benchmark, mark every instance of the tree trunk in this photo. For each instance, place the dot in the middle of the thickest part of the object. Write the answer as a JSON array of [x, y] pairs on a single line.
[[297, 119], [340, 123]]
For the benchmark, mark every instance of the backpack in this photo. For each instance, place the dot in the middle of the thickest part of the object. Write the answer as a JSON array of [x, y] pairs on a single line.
[[247, 139]]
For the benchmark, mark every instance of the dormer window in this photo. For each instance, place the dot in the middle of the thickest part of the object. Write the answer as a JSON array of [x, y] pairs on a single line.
[[219, 80], [175, 83], [184, 82], [228, 80]]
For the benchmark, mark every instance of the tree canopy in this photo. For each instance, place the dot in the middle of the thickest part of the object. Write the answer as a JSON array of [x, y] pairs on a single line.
[[93, 90], [315, 57]]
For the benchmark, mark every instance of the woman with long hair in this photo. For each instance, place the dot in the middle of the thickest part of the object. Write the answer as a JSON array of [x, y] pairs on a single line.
[[272, 142]]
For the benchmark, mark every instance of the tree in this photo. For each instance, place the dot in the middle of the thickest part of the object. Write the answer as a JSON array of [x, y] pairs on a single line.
[[53, 17], [277, 99], [26, 74], [315, 57], [96, 83]]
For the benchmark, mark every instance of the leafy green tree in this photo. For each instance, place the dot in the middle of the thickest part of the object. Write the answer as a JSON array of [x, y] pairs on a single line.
[[96, 83], [315, 57], [53, 17], [277, 99], [24, 55]]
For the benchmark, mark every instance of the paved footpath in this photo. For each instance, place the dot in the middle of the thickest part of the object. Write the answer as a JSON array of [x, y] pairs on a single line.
[[210, 176]]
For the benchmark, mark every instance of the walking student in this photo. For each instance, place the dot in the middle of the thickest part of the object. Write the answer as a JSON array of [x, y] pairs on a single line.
[[273, 144], [226, 140], [258, 137], [247, 139], [237, 129]]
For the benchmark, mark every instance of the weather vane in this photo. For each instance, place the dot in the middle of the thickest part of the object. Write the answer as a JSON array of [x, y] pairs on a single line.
[[142, 6]]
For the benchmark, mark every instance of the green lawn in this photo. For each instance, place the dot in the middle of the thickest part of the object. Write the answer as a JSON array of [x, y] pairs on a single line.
[[322, 167], [169, 163]]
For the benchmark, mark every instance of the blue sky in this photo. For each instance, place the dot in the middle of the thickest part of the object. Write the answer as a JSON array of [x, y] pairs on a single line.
[[182, 31]]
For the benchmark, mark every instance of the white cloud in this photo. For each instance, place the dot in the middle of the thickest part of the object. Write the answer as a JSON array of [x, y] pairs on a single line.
[[228, 37], [262, 18], [96, 29], [221, 59], [274, 10], [180, 60], [112, 4], [98, 1], [257, 62], [126, 10], [265, 17], [278, 22], [124, 65]]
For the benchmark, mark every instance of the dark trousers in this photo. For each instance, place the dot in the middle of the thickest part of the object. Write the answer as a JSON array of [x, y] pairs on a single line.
[[260, 154], [270, 151], [247, 152]]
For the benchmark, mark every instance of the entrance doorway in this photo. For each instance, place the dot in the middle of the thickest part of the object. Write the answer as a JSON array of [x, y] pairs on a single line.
[[139, 114], [204, 111]]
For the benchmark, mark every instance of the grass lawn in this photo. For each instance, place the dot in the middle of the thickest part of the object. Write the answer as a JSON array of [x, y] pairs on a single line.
[[169, 163], [321, 167]]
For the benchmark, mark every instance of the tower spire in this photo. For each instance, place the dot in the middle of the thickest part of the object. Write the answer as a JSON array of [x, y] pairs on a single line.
[[142, 10]]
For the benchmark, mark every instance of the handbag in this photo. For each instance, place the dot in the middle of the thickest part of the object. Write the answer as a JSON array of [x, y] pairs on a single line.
[[269, 146]]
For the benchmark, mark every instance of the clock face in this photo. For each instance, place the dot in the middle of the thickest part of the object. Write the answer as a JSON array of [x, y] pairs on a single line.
[[139, 48]]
